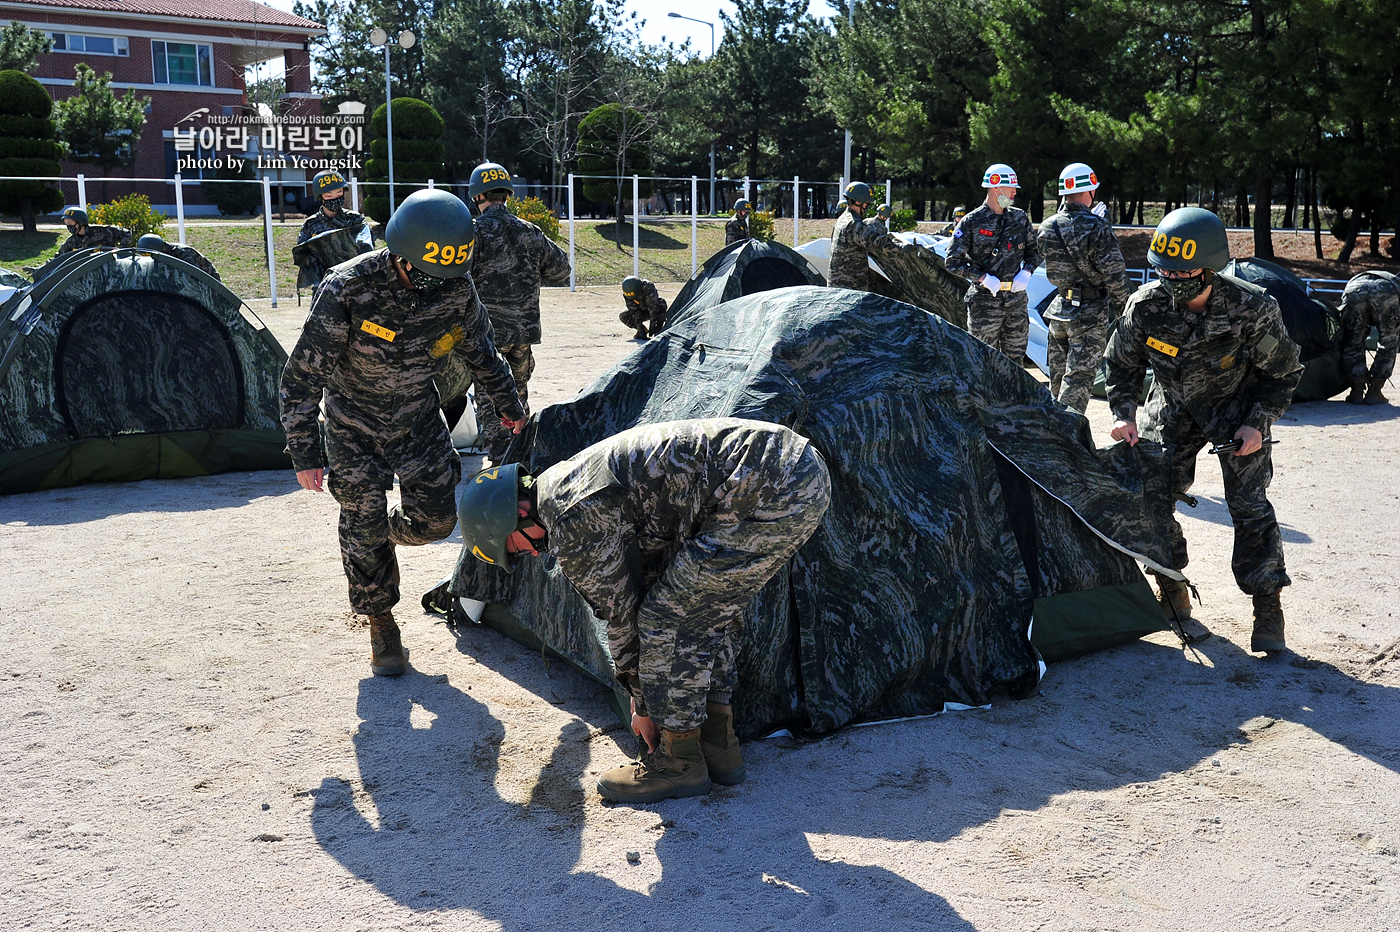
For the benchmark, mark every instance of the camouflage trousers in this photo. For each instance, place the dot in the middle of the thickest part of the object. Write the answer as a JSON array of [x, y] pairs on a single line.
[[1258, 556], [1074, 349], [681, 651], [637, 318], [1361, 312], [362, 467], [999, 320], [493, 436]]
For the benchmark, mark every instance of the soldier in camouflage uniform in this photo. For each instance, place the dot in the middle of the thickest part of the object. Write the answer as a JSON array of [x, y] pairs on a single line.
[[368, 351], [737, 229], [83, 235], [152, 242], [513, 257], [329, 189], [1371, 299], [852, 239], [994, 248], [668, 530], [642, 303], [1083, 261], [1225, 369]]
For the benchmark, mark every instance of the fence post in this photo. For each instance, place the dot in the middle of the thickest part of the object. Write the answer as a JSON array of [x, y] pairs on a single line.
[[694, 217], [180, 205], [82, 192], [430, 184], [573, 275], [746, 189], [267, 227], [354, 194], [889, 192], [796, 208], [636, 226]]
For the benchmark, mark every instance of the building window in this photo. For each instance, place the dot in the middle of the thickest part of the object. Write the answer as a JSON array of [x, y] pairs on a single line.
[[183, 63], [90, 45]]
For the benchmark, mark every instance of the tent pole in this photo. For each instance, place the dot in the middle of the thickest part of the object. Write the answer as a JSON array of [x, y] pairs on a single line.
[[354, 194], [180, 205], [267, 227], [796, 207], [573, 274]]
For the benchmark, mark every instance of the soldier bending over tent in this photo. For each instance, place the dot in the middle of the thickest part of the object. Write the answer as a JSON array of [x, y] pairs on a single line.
[[84, 235], [668, 530], [1371, 299]]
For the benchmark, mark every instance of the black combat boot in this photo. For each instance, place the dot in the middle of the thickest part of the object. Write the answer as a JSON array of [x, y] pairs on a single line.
[[1358, 392], [1268, 625], [386, 654], [1373, 393]]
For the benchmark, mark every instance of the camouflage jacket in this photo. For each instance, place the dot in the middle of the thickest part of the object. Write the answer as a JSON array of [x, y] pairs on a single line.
[[193, 256], [320, 223], [372, 344], [851, 242], [618, 512], [96, 237], [513, 257], [1080, 249], [1233, 364], [988, 243], [736, 231], [648, 304], [1373, 281]]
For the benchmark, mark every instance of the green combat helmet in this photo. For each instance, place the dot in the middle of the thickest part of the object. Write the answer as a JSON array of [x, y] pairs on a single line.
[[885, 212], [858, 192], [434, 231], [76, 214], [489, 176], [150, 242], [1189, 238], [632, 289], [488, 513], [327, 181], [742, 204]]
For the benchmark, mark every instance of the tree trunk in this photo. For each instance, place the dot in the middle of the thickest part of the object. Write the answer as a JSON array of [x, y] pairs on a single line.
[[1375, 233], [1290, 206], [1241, 205], [1263, 214], [1353, 228], [26, 215]]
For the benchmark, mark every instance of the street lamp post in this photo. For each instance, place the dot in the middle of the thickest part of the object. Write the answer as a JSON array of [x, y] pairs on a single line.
[[406, 39], [705, 22], [851, 24]]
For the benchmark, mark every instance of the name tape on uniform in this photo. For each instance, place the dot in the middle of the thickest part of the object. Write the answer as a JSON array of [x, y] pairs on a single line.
[[384, 333], [1161, 347]]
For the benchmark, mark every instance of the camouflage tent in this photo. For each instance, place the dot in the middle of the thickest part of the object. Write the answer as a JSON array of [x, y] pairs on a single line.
[[121, 366], [744, 268], [965, 503]]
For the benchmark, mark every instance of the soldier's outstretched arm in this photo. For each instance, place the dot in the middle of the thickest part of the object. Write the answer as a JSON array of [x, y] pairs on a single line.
[[323, 340], [554, 268], [1126, 364]]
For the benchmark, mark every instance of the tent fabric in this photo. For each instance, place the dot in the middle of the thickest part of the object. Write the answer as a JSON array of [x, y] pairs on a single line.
[[740, 269], [1314, 326], [111, 351], [962, 493]]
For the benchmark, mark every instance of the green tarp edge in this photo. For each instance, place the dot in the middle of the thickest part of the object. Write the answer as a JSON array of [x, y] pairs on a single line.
[[132, 457], [1077, 623]]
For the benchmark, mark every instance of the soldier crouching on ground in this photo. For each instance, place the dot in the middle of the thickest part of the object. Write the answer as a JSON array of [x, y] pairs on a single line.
[[642, 304], [83, 235], [994, 248], [668, 530], [1083, 261], [1225, 369], [513, 257], [154, 242], [369, 347], [1371, 299]]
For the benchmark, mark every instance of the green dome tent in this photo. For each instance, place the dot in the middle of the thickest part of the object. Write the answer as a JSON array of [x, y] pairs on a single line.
[[118, 366]]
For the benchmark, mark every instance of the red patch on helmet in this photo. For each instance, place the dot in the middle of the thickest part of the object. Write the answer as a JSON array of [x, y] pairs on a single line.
[[1093, 178], [995, 179], [1069, 183]]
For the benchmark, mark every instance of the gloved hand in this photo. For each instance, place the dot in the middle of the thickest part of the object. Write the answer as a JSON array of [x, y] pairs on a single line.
[[1022, 281], [991, 283], [1100, 209]]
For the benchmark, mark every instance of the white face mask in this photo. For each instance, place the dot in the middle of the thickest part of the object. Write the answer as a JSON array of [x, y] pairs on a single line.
[[1003, 201]]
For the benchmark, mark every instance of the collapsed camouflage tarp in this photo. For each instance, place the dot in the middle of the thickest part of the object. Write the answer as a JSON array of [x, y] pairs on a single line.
[[964, 499], [325, 251], [1315, 327], [121, 366]]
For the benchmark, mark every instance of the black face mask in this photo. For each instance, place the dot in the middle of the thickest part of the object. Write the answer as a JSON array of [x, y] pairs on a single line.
[[422, 281], [334, 205], [1186, 290]]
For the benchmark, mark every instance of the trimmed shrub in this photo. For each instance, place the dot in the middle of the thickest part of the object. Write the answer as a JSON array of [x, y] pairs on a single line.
[[903, 221], [27, 148], [18, 124], [413, 119], [234, 198], [132, 213], [534, 210], [417, 136], [408, 150], [25, 96]]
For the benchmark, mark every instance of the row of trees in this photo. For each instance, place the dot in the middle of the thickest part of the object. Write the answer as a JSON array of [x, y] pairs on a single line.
[[1235, 104]]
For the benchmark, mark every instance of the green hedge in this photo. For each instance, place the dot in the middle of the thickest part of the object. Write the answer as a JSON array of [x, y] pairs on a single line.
[[378, 169], [21, 94], [21, 148], [413, 119], [17, 124], [44, 200], [409, 150], [37, 167]]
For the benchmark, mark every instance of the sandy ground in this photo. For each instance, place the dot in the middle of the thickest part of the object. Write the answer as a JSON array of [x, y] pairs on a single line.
[[193, 740]]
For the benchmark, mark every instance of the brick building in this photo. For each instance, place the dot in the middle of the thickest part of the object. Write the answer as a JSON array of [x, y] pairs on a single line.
[[182, 54]]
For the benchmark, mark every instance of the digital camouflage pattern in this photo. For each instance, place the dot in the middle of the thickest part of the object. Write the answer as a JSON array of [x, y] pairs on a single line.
[[669, 530], [194, 257], [493, 435], [369, 352], [325, 242], [1371, 299], [124, 366], [647, 306], [918, 587], [987, 243], [736, 230], [1080, 251], [513, 259], [1229, 366], [96, 237], [852, 239]]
